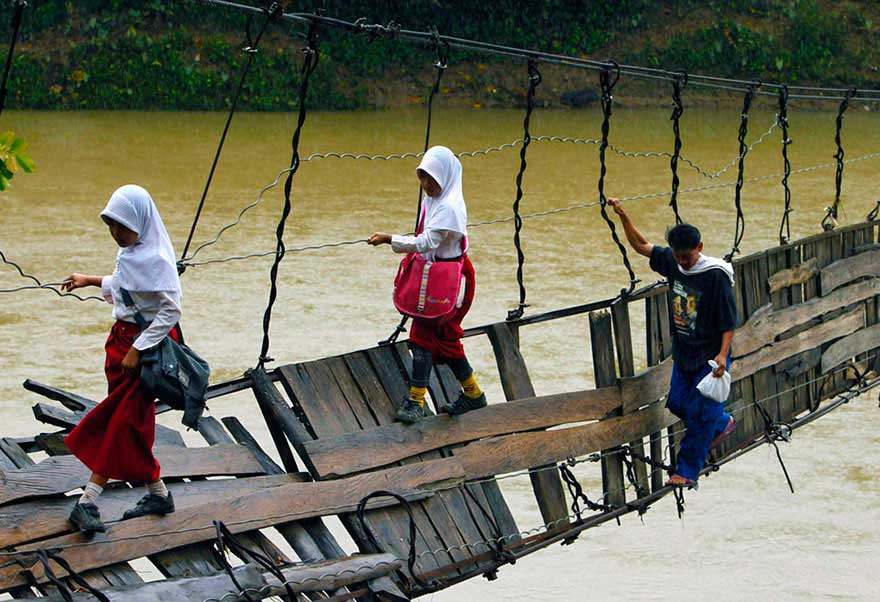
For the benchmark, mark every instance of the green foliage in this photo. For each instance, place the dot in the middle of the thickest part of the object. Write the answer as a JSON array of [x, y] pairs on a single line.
[[13, 158]]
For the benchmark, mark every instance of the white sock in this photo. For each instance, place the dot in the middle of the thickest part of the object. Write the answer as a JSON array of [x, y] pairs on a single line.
[[158, 488], [91, 493]]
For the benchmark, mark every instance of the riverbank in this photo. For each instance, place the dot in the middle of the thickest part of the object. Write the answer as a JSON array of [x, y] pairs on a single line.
[[187, 56]]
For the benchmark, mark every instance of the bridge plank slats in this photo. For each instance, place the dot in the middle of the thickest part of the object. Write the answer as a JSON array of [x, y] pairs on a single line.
[[848, 269], [850, 346]]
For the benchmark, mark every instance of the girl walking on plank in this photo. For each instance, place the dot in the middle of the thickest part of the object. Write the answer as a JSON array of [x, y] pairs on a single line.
[[115, 439], [442, 236]]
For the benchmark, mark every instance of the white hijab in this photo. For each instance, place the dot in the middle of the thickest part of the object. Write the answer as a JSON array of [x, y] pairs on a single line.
[[706, 263], [148, 264], [447, 211]]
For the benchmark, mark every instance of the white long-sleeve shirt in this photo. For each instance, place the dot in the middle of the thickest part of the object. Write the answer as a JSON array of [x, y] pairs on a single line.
[[160, 308], [433, 244]]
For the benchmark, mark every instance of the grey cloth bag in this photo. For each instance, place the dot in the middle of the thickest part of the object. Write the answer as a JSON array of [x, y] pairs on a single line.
[[173, 372]]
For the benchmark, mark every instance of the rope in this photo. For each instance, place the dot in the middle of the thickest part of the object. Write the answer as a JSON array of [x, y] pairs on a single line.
[[273, 13], [411, 556], [310, 62], [16, 29], [441, 63], [831, 213], [606, 83], [45, 555], [534, 82], [225, 539], [740, 228], [677, 110], [782, 119]]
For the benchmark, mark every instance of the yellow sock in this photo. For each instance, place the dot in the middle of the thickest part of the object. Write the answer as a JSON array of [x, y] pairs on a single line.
[[417, 394], [471, 387]]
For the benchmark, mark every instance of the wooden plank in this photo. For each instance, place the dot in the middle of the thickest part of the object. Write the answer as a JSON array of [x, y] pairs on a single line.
[[601, 338], [799, 364], [61, 474], [515, 382], [147, 535], [780, 350], [65, 419], [362, 450], [767, 323], [850, 346], [646, 387], [846, 270], [277, 415], [510, 453], [798, 274], [659, 347]]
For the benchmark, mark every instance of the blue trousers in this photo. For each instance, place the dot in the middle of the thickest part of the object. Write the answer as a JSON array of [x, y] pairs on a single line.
[[704, 418]]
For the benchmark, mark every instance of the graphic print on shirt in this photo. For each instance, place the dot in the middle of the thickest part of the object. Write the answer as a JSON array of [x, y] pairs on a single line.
[[684, 308]]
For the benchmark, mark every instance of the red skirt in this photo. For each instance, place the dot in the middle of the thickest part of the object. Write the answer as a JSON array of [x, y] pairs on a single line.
[[442, 336], [115, 439]]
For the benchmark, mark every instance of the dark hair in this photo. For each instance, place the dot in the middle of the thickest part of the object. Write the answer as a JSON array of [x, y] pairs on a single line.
[[683, 237]]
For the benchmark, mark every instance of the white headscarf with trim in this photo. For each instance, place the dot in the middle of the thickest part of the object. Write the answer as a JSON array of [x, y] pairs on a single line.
[[447, 211], [149, 264]]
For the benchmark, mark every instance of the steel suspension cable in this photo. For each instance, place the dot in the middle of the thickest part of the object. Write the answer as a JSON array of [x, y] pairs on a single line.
[[534, 82], [782, 119], [310, 62], [740, 228], [606, 83], [677, 110], [831, 215], [273, 13], [441, 63]]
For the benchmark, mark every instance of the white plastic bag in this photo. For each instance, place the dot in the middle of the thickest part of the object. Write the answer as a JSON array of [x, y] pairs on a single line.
[[715, 387]]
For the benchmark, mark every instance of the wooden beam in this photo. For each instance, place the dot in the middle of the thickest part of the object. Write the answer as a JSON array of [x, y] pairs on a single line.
[[602, 347], [850, 346], [363, 450], [510, 453], [766, 323], [61, 474], [148, 535], [814, 337], [846, 270], [65, 419], [797, 275], [646, 387]]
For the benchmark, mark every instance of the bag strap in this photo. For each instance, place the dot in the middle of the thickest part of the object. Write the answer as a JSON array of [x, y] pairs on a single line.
[[129, 302]]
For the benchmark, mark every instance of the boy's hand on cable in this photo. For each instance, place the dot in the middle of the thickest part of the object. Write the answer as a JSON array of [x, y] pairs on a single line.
[[131, 363], [75, 281], [615, 204], [379, 238]]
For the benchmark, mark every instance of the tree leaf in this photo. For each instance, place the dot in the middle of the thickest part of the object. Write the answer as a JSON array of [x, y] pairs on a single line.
[[26, 163]]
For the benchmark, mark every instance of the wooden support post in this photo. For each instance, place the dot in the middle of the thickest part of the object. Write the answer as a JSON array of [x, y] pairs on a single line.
[[601, 342], [517, 385], [659, 345], [279, 419]]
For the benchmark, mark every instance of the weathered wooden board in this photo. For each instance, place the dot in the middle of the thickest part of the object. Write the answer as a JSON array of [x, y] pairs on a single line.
[[68, 419], [767, 323], [61, 474], [501, 455], [850, 346], [380, 446], [147, 535], [645, 387], [38, 519], [780, 350], [796, 275], [516, 384], [846, 270]]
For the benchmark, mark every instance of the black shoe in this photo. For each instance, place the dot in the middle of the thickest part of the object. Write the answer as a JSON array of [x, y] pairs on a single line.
[[87, 519], [151, 504], [410, 411], [466, 404]]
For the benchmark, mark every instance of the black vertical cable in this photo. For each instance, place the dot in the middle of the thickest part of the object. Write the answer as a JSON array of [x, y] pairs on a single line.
[[310, 61], [831, 215], [677, 110], [607, 83], [16, 29], [273, 13], [785, 226], [740, 229], [441, 63], [534, 81]]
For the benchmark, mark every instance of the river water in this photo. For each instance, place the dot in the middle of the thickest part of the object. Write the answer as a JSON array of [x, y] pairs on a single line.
[[743, 537]]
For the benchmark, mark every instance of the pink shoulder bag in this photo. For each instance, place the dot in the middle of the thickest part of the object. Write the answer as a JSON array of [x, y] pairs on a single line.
[[425, 288]]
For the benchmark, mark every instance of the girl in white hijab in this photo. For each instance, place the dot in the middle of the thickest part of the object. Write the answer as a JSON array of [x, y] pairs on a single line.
[[115, 439], [442, 235]]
